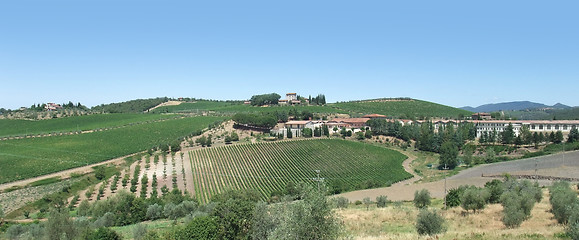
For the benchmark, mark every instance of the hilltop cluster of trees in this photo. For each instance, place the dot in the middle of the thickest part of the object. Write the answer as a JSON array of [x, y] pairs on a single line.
[[319, 100], [133, 106], [262, 120], [265, 99]]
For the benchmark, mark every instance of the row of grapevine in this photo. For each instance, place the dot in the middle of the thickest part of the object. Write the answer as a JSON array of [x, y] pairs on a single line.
[[269, 166]]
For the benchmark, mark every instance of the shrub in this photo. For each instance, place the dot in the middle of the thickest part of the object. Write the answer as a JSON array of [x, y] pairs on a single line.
[[572, 228], [513, 214], [561, 198], [154, 211], [199, 228], [342, 202], [421, 198], [474, 198], [381, 201], [103, 233], [453, 196], [429, 223], [367, 202], [495, 188], [139, 231]]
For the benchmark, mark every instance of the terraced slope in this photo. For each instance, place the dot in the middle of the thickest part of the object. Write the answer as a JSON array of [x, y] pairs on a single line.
[[269, 166]]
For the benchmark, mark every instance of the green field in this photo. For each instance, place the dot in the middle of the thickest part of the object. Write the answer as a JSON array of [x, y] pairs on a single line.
[[31, 157], [269, 166], [69, 124], [402, 109], [233, 107]]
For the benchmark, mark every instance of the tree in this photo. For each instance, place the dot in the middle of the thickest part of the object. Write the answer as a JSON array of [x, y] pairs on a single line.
[[202, 227], [325, 130], [307, 132], [429, 223], [495, 188], [508, 134], [342, 202], [59, 225], [103, 234], [367, 202], [381, 201], [289, 133], [513, 215], [317, 132], [572, 228], [573, 135], [421, 198], [474, 198], [1, 215], [558, 137], [265, 99], [448, 155]]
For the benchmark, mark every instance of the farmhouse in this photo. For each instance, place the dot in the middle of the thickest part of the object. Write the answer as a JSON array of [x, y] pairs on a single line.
[[52, 106], [481, 116]]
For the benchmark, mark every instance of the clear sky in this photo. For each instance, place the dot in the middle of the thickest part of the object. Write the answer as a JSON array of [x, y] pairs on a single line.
[[455, 53]]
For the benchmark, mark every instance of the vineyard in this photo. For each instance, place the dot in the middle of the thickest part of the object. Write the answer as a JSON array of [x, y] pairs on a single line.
[[31, 157], [232, 107], [69, 124], [269, 166], [402, 108]]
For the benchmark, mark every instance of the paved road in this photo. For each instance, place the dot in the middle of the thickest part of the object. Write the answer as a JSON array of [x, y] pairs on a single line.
[[558, 165]]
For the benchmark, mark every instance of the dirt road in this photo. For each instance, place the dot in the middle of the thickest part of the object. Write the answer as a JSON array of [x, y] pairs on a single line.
[[557, 165]]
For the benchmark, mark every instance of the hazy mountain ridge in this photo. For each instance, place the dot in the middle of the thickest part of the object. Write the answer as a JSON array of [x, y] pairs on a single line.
[[513, 106]]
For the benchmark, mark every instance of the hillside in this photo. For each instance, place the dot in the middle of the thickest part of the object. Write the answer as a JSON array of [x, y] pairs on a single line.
[[513, 106], [31, 157], [132, 106], [401, 108], [268, 167]]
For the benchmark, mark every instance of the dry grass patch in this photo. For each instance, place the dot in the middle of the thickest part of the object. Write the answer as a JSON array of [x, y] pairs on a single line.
[[397, 222]]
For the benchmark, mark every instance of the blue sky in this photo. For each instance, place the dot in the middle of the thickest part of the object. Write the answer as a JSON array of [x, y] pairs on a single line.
[[455, 53]]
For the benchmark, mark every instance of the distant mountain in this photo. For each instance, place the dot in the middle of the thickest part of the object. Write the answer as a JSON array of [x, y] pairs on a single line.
[[513, 106]]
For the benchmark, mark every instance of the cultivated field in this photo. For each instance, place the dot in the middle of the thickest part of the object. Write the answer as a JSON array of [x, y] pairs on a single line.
[[403, 108], [232, 107], [31, 157], [9, 127], [269, 166]]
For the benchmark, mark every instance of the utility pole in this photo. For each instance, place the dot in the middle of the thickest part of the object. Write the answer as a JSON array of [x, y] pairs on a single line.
[[445, 168]]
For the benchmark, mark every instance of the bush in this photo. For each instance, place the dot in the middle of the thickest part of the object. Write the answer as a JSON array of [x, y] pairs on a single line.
[[429, 223], [154, 211], [342, 202], [453, 196], [381, 201], [421, 198], [103, 233], [572, 228], [495, 188], [474, 198], [561, 198], [513, 214]]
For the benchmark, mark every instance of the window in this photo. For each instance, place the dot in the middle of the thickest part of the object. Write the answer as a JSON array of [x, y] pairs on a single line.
[[541, 127], [557, 127], [565, 127], [548, 127], [533, 127]]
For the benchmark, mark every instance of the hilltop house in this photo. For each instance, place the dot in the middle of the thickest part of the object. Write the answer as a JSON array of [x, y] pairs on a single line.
[[52, 106]]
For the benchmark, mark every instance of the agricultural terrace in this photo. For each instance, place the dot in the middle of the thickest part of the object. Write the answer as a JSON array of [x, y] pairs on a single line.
[[9, 127], [408, 108], [234, 107], [31, 157], [269, 166]]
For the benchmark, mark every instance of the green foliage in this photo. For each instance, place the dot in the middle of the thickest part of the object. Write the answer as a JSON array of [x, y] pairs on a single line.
[[562, 196], [573, 135], [201, 227], [233, 214], [421, 198], [381, 201], [255, 120], [495, 188], [64, 152], [307, 132], [103, 234], [59, 225], [265, 99], [572, 228], [448, 155], [345, 164], [513, 215], [430, 223], [133, 106], [310, 218], [454, 195], [342, 202], [401, 108], [14, 127], [474, 198]]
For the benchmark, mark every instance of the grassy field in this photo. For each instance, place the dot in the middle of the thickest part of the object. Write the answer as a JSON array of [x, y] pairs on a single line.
[[401, 108], [269, 166], [69, 124], [26, 158]]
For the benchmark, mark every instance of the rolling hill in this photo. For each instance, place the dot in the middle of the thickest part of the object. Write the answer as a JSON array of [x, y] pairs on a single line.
[[513, 106], [401, 108]]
